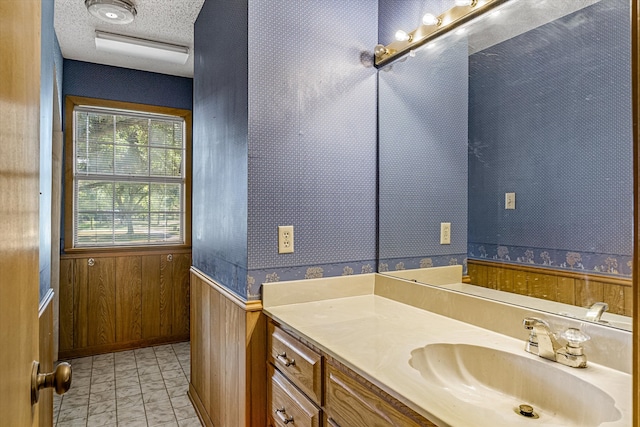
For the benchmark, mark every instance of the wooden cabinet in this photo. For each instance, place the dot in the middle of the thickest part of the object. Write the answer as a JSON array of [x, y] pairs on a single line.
[[288, 405], [115, 302], [308, 388], [294, 389], [300, 364], [351, 401]]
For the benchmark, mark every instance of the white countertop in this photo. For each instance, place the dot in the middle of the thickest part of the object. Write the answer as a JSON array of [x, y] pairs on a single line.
[[374, 336]]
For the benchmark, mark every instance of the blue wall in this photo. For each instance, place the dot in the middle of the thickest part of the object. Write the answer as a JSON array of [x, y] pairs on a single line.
[[122, 84], [220, 139], [49, 50], [91, 80], [285, 135], [312, 138], [550, 119], [423, 157]]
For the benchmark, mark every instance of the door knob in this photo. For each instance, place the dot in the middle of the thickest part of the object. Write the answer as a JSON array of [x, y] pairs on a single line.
[[60, 380]]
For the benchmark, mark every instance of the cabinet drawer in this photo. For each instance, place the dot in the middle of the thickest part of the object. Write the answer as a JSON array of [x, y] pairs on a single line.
[[296, 361], [287, 405], [350, 404]]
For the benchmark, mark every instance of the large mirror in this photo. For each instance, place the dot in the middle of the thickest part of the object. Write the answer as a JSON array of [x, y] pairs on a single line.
[[516, 129]]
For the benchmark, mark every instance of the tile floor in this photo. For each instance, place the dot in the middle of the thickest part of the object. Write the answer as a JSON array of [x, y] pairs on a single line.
[[144, 387]]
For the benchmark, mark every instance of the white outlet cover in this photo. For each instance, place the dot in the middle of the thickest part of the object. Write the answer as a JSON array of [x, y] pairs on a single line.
[[445, 233], [285, 239], [509, 200]]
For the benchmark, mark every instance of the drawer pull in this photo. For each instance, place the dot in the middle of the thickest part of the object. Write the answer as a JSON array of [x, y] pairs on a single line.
[[282, 414], [284, 359]]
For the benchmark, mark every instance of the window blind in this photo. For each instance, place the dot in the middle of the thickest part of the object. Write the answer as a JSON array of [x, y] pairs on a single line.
[[129, 178]]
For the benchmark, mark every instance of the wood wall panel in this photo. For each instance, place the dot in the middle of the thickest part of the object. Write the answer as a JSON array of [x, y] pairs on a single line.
[[65, 336], [215, 348], [588, 292], [128, 299], [569, 287], [256, 325], [210, 351], [233, 372], [166, 294], [80, 301], [614, 297], [519, 282], [123, 302], [228, 338], [181, 266], [566, 292], [151, 296], [628, 302], [505, 280], [101, 302], [197, 331], [542, 286]]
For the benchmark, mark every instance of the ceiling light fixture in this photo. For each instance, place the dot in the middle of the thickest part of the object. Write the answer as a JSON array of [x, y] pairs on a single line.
[[141, 48], [113, 11]]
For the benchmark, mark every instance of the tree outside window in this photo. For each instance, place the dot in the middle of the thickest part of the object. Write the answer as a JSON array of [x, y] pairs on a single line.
[[129, 178]]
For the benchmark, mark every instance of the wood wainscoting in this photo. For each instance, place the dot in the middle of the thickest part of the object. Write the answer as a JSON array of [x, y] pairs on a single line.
[[581, 288], [46, 357], [228, 356], [111, 302]]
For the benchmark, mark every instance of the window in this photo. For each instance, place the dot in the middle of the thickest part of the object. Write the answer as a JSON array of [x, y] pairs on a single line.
[[129, 177]]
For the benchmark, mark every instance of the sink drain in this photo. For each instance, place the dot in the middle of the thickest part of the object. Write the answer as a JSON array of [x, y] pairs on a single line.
[[526, 411]]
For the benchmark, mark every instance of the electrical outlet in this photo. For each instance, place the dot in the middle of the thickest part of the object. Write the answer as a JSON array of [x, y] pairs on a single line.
[[285, 239], [445, 233], [509, 200]]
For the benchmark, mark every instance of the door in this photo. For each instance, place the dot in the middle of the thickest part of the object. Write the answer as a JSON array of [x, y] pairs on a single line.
[[19, 200]]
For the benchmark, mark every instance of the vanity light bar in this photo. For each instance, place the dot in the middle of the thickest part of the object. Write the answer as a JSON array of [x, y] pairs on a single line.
[[448, 21]]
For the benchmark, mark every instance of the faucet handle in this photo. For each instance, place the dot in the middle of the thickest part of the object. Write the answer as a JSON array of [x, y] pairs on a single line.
[[573, 353], [575, 337]]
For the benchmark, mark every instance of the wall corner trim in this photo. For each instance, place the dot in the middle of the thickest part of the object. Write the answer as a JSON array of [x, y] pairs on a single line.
[[253, 305]]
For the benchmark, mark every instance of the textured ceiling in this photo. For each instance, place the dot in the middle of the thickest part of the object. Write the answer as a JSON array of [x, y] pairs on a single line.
[[169, 21]]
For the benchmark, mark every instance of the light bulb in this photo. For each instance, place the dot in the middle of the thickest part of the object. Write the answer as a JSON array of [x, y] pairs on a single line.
[[464, 2], [402, 36], [430, 19], [380, 51]]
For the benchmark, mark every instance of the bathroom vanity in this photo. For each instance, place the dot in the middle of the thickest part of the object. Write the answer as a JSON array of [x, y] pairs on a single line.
[[371, 350]]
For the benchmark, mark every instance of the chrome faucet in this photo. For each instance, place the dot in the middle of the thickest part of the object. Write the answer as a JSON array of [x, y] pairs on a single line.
[[595, 311], [542, 342]]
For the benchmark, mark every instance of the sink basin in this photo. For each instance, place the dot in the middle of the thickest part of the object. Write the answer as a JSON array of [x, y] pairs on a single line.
[[493, 383]]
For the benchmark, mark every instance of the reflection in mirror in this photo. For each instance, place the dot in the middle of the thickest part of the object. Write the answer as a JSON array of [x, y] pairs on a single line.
[[517, 130]]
